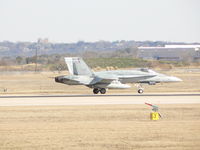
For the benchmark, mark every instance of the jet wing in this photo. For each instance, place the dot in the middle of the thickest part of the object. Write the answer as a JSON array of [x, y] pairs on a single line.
[[106, 79], [133, 78], [86, 80]]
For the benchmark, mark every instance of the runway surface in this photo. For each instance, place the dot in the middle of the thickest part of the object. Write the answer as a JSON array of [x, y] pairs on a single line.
[[87, 95], [58, 100]]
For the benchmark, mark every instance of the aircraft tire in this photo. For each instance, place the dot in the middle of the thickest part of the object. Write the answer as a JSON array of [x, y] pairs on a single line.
[[103, 91], [95, 91], [140, 91]]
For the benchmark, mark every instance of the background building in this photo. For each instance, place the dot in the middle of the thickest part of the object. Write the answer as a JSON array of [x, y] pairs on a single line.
[[170, 52]]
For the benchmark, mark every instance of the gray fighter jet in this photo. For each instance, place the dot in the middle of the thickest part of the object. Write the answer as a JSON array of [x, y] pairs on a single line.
[[81, 74]]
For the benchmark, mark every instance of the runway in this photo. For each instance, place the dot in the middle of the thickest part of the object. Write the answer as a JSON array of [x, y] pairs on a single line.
[[89, 95], [59, 100]]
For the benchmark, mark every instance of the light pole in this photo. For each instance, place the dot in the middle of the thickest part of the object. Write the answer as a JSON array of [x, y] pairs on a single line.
[[36, 55]]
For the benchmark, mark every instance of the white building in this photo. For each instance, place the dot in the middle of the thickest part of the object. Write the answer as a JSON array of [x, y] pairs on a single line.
[[170, 52]]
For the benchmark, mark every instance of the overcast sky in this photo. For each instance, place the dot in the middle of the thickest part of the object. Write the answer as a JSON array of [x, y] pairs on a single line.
[[93, 20]]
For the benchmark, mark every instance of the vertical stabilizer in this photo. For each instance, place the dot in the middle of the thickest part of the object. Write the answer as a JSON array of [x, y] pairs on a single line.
[[77, 66]]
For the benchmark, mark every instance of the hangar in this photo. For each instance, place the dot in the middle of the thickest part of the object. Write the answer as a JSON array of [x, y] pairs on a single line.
[[170, 52]]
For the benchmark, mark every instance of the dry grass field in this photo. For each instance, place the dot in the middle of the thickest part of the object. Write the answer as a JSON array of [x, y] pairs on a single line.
[[43, 83], [110, 127]]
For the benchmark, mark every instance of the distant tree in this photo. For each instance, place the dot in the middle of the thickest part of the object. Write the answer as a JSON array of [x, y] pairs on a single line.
[[6, 61], [27, 60], [19, 60], [3, 63], [90, 54]]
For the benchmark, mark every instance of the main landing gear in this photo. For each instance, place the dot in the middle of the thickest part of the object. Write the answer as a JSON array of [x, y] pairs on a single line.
[[97, 90]]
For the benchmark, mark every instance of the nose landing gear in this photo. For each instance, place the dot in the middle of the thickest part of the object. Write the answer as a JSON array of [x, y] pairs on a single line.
[[97, 90], [140, 91], [140, 88]]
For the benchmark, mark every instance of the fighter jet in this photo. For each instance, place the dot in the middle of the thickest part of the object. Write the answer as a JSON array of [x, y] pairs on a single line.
[[81, 74]]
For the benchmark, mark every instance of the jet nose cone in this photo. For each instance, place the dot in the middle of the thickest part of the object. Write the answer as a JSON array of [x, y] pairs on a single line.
[[175, 79], [179, 80]]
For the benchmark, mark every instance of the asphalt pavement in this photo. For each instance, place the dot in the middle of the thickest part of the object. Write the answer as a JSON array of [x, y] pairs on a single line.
[[62, 100]]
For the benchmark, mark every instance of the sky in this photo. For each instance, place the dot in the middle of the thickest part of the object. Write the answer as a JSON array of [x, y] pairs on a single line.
[[94, 20]]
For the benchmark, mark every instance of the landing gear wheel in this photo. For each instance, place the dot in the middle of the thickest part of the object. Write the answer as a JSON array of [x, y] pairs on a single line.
[[102, 91], [95, 91], [140, 91]]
